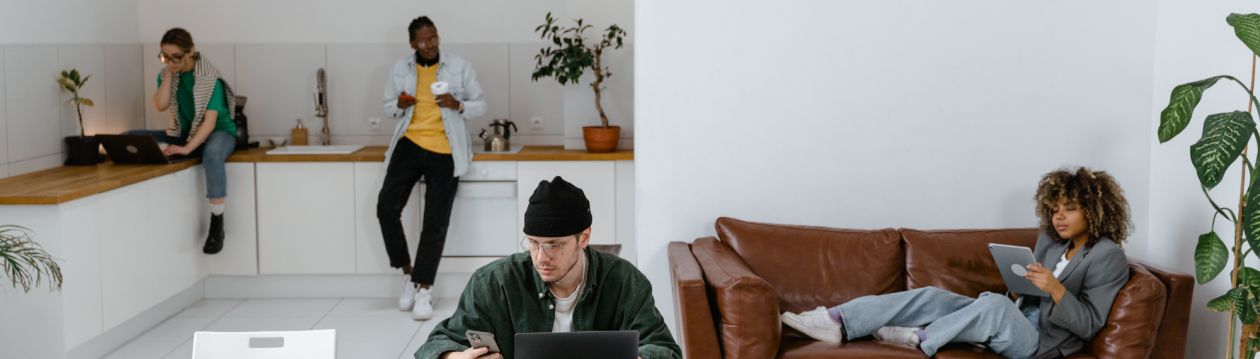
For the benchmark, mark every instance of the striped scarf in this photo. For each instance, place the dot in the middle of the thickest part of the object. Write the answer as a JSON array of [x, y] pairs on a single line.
[[205, 77]]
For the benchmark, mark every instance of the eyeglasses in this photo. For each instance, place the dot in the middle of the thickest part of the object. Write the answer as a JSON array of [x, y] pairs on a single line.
[[552, 249], [431, 42], [166, 59]]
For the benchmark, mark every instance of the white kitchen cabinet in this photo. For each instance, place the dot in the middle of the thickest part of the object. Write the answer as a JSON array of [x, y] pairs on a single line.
[[151, 240], [306, 218], [240, 245], [483, 220], [369, 243], [595, 178]]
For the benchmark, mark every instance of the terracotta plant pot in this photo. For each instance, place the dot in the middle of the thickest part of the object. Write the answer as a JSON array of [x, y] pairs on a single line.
[[82, 151], [600, 139]]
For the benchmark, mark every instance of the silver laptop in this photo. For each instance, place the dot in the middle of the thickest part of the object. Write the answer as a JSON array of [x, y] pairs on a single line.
[[608, 345]]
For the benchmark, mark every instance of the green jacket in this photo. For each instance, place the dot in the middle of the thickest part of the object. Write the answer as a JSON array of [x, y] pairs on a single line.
[[507, 297]]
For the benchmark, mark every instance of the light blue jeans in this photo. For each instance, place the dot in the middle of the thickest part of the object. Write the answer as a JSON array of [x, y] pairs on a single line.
[[991, 319], [214, 152]]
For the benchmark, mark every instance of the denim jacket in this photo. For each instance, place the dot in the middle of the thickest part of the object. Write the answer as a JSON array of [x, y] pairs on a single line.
[[453, 70], [507, 297]]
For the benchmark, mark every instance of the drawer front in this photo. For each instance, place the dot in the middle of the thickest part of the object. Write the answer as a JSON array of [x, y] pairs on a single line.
[[491, 171], [483, 220]]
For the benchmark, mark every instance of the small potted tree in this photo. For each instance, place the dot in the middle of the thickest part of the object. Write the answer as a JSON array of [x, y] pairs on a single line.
[[569, 59], [81, 150]]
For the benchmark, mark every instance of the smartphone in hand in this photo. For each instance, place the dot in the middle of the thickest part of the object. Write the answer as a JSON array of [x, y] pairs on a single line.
[[482, 340]]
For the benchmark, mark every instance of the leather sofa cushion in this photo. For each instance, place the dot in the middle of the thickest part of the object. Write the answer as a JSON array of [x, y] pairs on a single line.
[[749, 310], [1133, 324], [794, 347], [691, 304], [959, 260], [816, 266]]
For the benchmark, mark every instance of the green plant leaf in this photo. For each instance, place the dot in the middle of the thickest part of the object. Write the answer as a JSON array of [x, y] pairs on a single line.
[[1180, 108], [1224, 136], [1242, 305], [66, 84], [84, 82], [74, 75], [1210, 257], [85, 101], [1222, 303], [1249, 277], [1251, 218], [1247, 27]]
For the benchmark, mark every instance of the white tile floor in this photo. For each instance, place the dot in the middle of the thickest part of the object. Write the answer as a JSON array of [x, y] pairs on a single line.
[[366, 328]]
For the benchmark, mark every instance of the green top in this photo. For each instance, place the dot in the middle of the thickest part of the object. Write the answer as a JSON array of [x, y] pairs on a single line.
[[187, 109], [507, 297]]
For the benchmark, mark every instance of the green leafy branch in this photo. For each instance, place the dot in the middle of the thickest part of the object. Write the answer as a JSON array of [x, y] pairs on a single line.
[[71, 82], [571, 57], [1223, 142], [24, 261]]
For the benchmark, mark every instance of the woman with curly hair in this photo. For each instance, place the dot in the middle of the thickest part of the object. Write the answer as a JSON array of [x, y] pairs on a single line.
[[1084, 219]]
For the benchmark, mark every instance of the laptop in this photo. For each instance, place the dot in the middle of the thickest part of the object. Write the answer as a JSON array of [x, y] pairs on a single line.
[[137, 149], [610, 345]]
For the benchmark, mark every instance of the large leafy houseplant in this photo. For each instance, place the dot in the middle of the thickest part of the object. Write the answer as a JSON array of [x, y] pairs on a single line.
[[25, 262], [570, 58], [1224, 141]]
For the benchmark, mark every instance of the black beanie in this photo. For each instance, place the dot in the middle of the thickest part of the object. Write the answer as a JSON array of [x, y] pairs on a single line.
[[557, 209]]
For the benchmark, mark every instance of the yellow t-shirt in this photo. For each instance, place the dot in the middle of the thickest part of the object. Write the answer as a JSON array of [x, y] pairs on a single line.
[[426, 128]]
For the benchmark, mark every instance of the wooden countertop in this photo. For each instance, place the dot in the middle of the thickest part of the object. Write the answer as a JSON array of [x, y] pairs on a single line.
[[68, 183], [377, 154]]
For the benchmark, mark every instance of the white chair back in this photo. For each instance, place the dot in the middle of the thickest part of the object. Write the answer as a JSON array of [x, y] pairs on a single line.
[[307, 344]]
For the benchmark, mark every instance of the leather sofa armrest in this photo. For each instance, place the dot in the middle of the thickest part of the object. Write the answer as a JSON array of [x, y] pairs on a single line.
[[697, 331], [1173, 329], [747, 304]]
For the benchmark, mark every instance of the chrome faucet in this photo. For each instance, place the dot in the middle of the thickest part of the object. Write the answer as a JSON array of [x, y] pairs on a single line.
[[321, 107]]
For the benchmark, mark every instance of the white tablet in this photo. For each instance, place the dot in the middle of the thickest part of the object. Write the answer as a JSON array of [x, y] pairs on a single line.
[[1013, 262]]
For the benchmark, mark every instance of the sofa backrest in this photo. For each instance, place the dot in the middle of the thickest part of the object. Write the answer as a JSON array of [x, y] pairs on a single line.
[[817, 266], [959, 260], [1134, 320]]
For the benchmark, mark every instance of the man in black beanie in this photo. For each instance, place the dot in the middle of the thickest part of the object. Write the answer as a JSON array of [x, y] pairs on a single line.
[[559, 285]]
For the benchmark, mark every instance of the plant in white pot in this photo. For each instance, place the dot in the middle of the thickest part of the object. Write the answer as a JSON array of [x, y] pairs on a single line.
[[569, 59], [81, 150], [24, 262]]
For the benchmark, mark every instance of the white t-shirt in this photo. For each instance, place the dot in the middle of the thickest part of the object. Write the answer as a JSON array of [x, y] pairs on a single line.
[[1063, 261], [564, 306]]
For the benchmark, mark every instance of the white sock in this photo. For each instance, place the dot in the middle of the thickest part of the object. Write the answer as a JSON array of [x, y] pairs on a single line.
[[217, 209]]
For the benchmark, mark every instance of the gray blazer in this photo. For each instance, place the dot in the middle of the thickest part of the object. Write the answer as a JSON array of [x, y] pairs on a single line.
[[1092, 278]]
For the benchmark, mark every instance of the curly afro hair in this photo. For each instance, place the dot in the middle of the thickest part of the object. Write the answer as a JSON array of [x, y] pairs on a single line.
[[1099, 197]]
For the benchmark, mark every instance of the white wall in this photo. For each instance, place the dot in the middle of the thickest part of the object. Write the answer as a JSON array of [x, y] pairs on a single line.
[[275, 59], [39, 39], [69, 21], [872, 114], [1194, 42]]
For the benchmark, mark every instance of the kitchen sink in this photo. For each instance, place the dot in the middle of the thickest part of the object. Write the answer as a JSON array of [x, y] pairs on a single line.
[[315, 150]]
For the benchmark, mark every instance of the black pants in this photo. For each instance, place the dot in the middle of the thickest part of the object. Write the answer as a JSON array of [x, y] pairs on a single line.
[[407, 165]]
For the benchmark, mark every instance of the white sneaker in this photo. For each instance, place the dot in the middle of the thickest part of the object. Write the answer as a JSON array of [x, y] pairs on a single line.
[[816, 324], [899, 334], [423, 309], [408, 297]]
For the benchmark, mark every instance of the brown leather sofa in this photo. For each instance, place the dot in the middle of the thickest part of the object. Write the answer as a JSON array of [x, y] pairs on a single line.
[[728, 293]]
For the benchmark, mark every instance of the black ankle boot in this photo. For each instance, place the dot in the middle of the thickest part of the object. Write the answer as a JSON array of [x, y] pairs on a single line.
[[214, 241]]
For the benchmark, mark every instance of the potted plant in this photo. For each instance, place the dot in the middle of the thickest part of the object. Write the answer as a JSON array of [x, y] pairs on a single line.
[[24, 262], [569, 59], [81, 150], [1225, 137]]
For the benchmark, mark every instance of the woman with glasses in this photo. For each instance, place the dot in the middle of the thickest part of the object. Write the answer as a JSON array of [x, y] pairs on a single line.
[[431, 142], [200, 119]]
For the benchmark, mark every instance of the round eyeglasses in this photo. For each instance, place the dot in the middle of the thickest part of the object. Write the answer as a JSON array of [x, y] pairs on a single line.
[[552, 249]]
